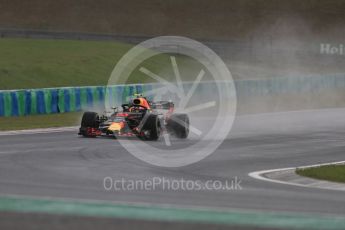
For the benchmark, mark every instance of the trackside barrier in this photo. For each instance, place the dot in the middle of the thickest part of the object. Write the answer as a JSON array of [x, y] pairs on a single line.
[[61, 100], [70, 99]]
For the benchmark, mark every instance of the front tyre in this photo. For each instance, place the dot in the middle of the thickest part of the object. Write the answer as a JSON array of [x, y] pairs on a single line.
[[151, 127], [89, 121]]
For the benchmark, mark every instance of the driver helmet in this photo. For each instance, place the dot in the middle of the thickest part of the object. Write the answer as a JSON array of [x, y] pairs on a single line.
[[140, 103]]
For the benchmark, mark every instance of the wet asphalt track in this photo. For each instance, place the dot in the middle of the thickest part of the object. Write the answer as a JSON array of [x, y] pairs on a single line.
[[66, 166]]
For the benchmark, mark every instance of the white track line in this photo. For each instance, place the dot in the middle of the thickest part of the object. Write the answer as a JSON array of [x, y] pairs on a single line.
[[37, 131], [259, 175]]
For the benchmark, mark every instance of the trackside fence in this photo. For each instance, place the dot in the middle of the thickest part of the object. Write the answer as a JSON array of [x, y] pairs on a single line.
[[71, 99]]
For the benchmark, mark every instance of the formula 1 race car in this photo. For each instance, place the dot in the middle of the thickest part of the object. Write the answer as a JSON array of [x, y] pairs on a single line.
[[140, 117]]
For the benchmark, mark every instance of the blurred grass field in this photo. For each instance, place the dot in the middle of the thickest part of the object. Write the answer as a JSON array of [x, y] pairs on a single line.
[[33, 63], [37, 63], [335, 173]]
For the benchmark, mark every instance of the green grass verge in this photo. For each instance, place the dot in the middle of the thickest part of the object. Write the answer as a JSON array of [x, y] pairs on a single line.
[[40, 121], [335, 173], [35, 63], [39, 63]]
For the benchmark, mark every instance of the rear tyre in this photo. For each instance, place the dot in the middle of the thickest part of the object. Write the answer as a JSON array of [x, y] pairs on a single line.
[[151, 128], [179, 125], [89, 120]]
